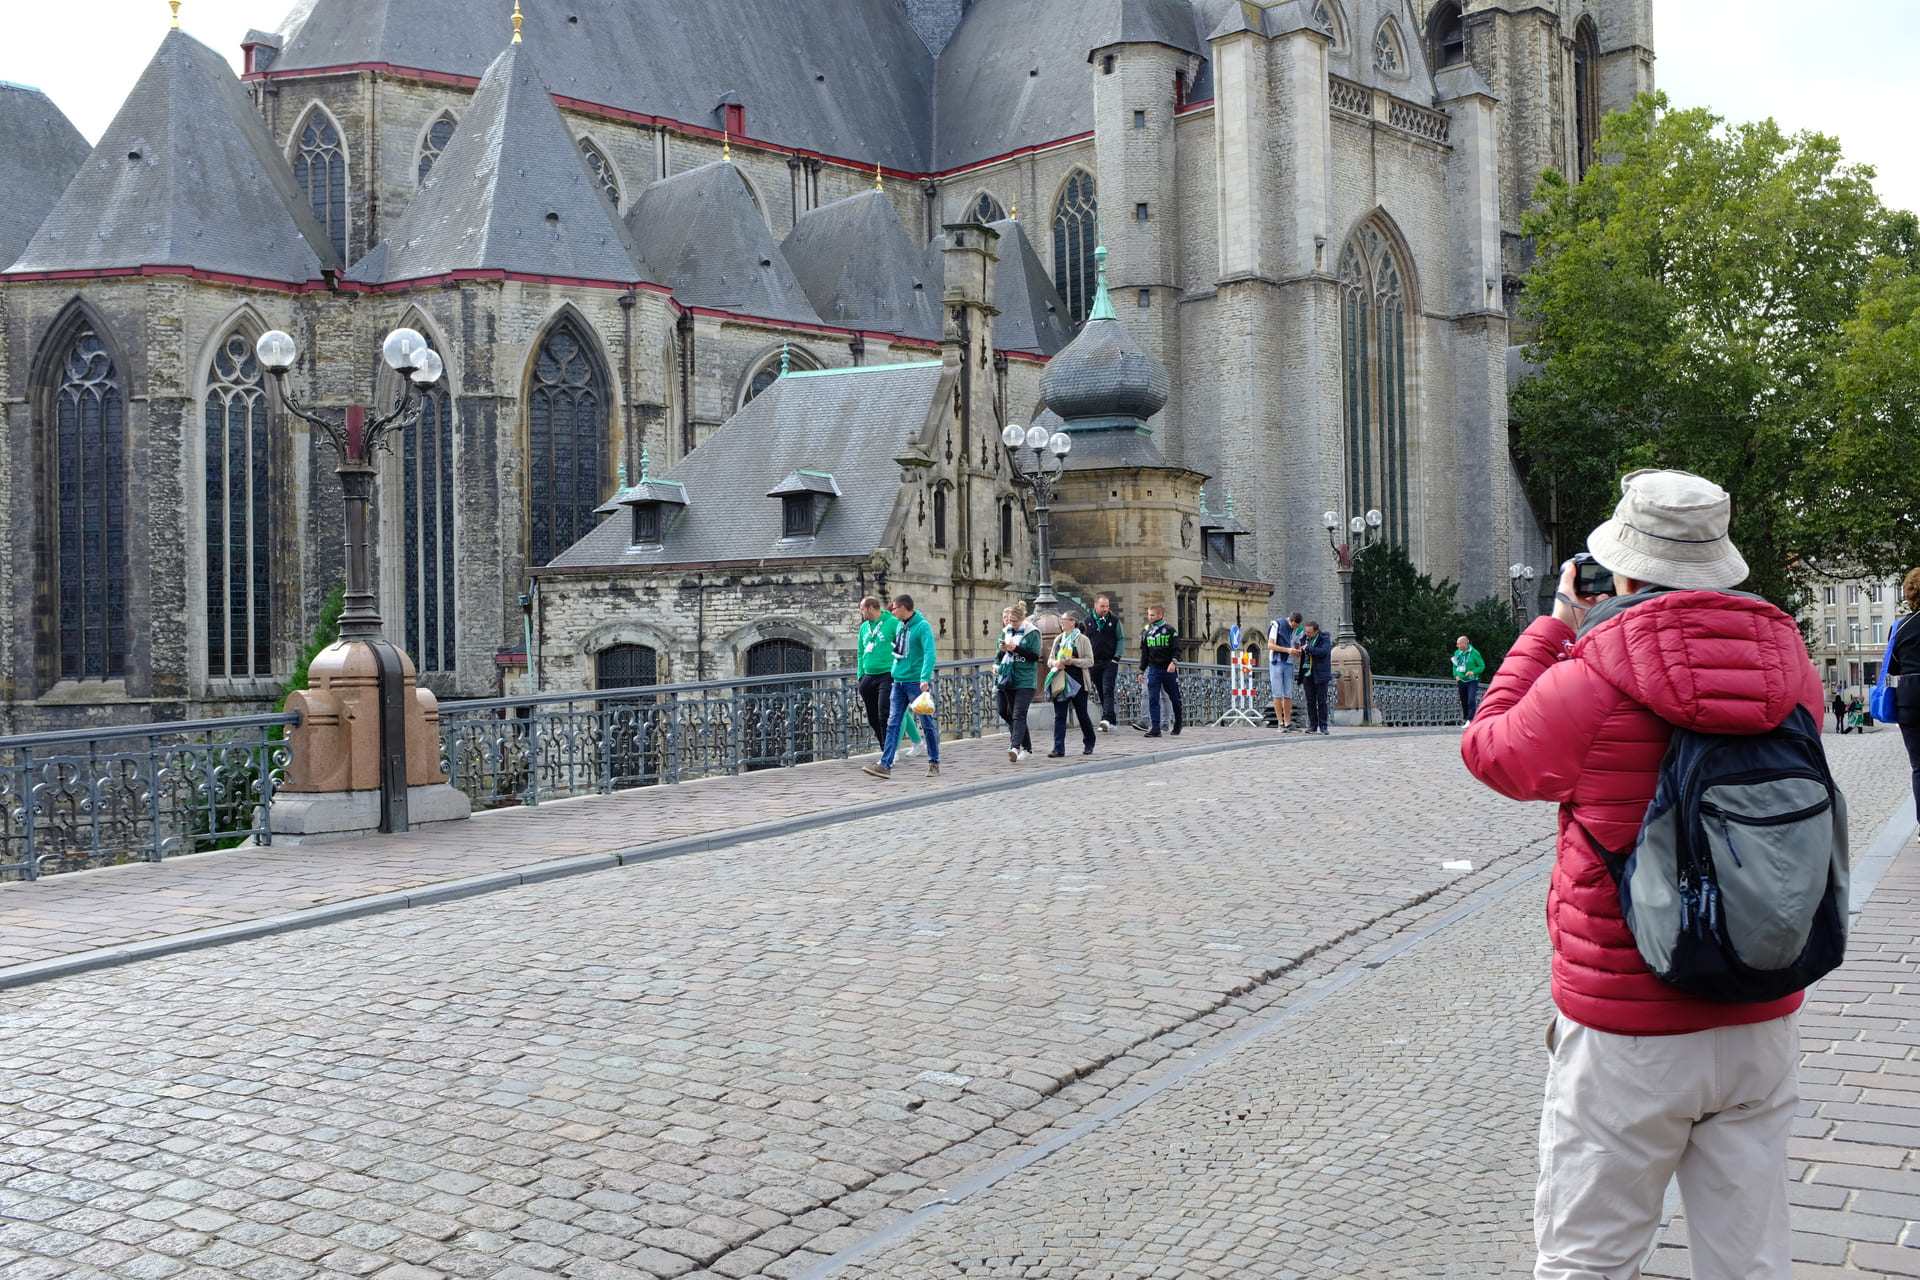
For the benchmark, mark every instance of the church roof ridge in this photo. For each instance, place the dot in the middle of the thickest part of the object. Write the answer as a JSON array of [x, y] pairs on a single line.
[[510, 192], [843, 370], [702, 235], [185, 175]]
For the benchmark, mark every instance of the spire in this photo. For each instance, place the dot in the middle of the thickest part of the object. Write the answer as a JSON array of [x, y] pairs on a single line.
[[1102, 305], [518, 18], [785, 354], [175, 6], [1014, 211], [1203, 501], [726, 146], [623, 473], [877, 186], [1229, 504], [646, 464]]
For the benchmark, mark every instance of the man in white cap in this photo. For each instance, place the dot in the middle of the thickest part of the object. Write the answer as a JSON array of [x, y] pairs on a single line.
[[1647, 1082]]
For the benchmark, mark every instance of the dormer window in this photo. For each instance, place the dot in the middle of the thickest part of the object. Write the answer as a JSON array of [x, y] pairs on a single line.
[[805, 497], [1220, 546], [796, 515], [646, 524]]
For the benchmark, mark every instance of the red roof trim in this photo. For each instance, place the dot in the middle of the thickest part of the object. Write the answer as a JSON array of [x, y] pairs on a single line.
[[640, 117], [1201, 105]]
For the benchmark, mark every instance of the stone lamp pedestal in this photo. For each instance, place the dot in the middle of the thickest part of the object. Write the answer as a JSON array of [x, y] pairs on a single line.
[[342, 752], [1352, 685]]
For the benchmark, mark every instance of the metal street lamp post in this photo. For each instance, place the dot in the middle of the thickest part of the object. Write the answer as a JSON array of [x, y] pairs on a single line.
[[1521, 576], [1039, 459], [1365, 531], [354, 441]]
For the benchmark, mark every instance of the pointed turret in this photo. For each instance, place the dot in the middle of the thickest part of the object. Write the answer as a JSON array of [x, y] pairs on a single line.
[[703, 237], [40, 151], [184, 176], [1103, 379], [860, 269], [510, 193]]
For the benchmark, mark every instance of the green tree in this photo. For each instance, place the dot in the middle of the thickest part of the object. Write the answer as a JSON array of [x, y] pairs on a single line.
[[1728, 301], [1408, 621]]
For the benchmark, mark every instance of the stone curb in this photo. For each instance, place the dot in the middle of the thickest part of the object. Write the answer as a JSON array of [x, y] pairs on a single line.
[[535, 873]]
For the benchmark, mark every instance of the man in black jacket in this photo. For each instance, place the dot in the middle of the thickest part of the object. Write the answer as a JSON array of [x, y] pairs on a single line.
[[1316, 671], [1158, 670], [1103, 628]]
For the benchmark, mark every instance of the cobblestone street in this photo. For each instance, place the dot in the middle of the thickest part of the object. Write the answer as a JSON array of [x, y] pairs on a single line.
[[1300, 986]]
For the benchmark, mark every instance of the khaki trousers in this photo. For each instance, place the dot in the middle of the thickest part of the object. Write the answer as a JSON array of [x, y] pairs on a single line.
[[1624, 1114]]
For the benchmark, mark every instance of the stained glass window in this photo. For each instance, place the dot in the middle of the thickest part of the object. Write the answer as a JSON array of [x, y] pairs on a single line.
[[439, 133], [239, 595], [1386, 49], [426, 531], [1329, 20], [1586, 93], [320, 167], [1373, 361], [987, 209], [602, 171], [1075, 234], [89, 416], [567, 422]]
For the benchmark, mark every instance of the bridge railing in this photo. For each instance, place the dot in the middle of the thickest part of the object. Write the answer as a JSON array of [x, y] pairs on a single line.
[[125, 793], [1409, 702]]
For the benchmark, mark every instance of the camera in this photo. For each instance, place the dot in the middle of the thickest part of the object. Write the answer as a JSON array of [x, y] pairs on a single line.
[[1590, 577]]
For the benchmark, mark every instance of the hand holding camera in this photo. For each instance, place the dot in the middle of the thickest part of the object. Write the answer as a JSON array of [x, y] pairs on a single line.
[[1584, 582]]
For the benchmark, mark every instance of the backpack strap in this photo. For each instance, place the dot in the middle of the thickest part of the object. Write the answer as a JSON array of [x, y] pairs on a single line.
[[1615, 863]]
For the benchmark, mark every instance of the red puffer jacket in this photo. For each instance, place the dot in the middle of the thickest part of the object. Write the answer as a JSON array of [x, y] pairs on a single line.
[[1588, 729]]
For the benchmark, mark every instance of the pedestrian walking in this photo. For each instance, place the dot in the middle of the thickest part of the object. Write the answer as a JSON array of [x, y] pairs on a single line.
[[1839, 711], [1281, 652], [877, 628], [1646, 1080], [1158, 670], [1905, 658], [1315, 663], [1067, 666], [1468, 666], [1018, 666], [913, 659], [1103, 630]]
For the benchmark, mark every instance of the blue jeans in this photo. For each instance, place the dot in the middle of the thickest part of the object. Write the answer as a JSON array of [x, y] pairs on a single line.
[[905, 691], [1160, 680]]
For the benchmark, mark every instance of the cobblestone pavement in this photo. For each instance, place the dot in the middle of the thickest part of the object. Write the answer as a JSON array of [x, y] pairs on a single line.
[[65, 914], [740, 1063]]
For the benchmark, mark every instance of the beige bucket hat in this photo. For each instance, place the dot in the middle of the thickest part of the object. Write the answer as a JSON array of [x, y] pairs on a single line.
[[1670, 529]]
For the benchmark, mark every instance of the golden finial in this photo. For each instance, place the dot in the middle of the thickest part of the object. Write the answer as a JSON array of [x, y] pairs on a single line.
[[518, 18], [1014, 212], [877, 185], [175, 6], [726, 146]]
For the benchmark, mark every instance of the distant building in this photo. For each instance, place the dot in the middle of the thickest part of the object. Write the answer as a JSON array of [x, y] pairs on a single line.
[[1849, 623], [612, 232]]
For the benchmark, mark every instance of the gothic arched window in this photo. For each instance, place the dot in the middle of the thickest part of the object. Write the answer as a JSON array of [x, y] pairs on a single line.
[[239, 578], [1327, 14], [768, 371], [602, 171], [1586, 93], [567, 425], [320, 167], [89, 422], [439, 133], [1075, 233], [1388, 55], [987, 209], [1446, 36], [426, 531], [1373, 362]]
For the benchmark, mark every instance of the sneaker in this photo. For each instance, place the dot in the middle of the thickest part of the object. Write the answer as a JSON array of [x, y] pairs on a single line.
[[1153, 733], [1106, 726], [1055, 755], [1024, 753], [878, 771], [1013, 755], [907, 749], [933, 768]]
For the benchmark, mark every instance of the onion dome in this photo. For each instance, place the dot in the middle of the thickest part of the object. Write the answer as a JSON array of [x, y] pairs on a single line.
[[1102, 378]]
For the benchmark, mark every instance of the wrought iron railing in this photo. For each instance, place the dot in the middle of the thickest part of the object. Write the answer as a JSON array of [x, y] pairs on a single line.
[[528, 750], [126, 793], [1409, 702]]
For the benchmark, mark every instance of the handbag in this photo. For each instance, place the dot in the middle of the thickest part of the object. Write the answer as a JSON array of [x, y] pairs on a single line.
[[1880, 701]]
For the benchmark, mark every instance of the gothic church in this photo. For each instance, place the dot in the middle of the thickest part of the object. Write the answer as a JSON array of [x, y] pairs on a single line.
[[626, 223]]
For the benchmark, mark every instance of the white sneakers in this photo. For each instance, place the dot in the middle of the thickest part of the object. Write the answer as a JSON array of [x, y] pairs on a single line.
[[1024, 753], [908, 748], [1013, 754], [1106, 727]]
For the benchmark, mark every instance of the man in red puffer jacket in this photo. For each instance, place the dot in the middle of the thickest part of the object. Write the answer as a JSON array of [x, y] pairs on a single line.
[[1645, 1081]]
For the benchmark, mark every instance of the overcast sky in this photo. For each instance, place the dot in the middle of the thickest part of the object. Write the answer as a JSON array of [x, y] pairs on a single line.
[[1847, 70]]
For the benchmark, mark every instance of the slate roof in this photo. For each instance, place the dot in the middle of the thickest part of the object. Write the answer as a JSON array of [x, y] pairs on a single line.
[[1015, 72], [511, 192], [1103, 374], [184, 176], [860, 269], [40, 151], [702, 236], [848, 423], [1032, 316], [840, 77]]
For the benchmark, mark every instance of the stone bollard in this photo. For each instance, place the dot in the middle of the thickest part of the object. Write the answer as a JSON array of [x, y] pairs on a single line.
[[333, 782]]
